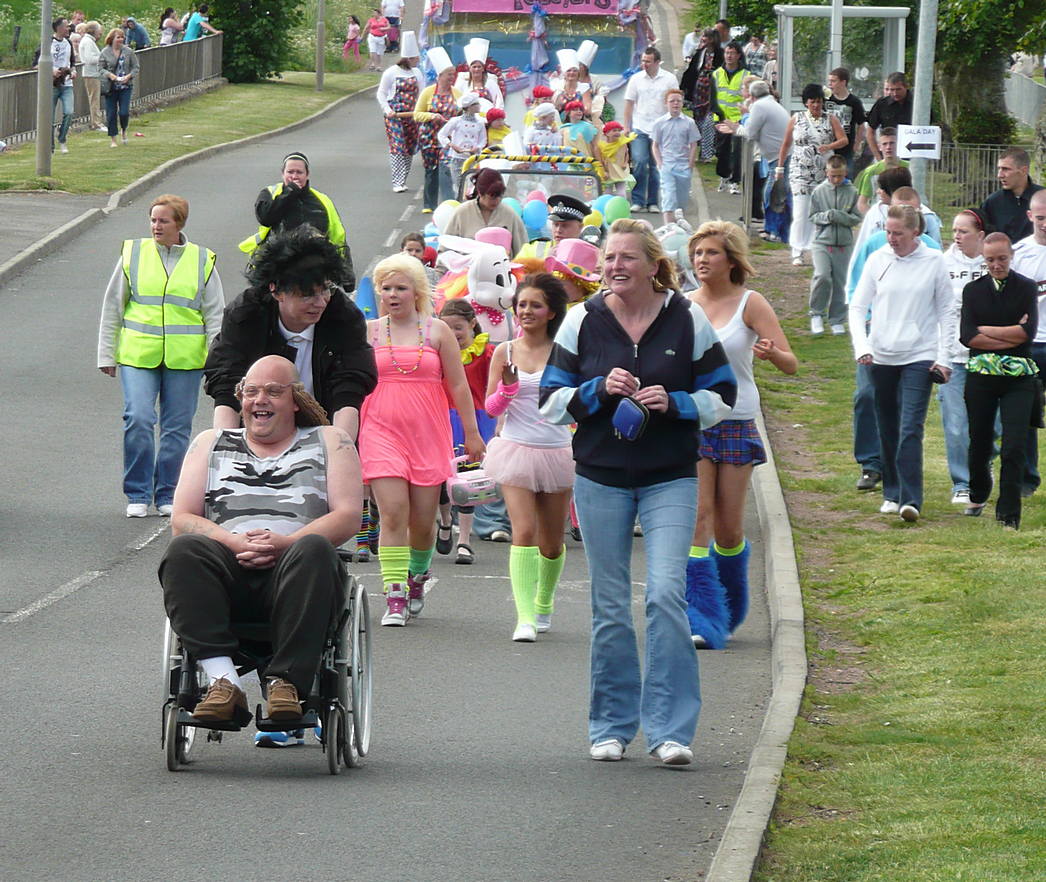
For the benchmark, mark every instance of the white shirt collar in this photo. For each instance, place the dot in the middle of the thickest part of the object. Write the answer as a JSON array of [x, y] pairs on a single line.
[[308, 334]]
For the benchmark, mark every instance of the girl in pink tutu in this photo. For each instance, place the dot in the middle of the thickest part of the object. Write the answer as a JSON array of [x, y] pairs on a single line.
[[531, 459], [405, 440]]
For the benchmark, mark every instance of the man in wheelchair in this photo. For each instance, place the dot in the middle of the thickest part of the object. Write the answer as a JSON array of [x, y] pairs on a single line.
[[258, 515]]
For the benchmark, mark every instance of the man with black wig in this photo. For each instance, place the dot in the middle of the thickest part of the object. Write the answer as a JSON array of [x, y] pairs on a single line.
[[296, 307], [293, 203]]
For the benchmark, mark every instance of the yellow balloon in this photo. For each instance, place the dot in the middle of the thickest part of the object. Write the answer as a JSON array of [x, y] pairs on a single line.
[[595, 219]]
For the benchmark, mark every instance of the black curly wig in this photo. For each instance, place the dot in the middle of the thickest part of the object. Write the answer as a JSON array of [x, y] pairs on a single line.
[[299, 260]]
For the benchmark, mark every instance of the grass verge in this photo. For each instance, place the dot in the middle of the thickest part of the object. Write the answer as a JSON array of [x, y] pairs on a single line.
[[919, 751], [225, 114]]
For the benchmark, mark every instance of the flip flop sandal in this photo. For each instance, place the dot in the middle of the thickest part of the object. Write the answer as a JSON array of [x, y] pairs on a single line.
[[465, 555]]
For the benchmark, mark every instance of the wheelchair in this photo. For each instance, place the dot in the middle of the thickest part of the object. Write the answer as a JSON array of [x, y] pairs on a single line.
[[339, 700]]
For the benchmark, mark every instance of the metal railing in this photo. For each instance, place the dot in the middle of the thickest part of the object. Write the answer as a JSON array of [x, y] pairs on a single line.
[[964, 176], [1024, 98], [164, 70]]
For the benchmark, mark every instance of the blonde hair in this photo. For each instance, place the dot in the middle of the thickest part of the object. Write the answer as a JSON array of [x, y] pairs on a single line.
[[179, 207], [93, 28], [735, 243], [414, 270], [665, 279], [910, 216]]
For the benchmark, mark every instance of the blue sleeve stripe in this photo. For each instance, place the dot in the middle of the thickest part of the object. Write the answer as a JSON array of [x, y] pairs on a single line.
[[686, 407], [719, 376], [587, 397], [555, 377]]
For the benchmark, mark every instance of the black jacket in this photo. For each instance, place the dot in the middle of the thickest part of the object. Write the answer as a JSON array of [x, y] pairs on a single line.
[[983, 305], [1008, 213], [343, 369]]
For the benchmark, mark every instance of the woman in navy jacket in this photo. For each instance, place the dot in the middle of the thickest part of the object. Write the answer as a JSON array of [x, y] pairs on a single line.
[[638, 338]]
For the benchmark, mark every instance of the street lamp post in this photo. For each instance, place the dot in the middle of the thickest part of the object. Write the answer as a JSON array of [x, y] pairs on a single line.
[[44, 94], [321, 43]]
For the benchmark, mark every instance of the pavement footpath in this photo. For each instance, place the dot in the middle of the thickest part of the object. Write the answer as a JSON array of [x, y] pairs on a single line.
[[33, 225]]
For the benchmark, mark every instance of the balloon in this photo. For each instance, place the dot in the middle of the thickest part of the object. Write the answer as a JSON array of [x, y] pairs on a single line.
[[600, 204], [535, 195], [443, 213], [514, 204], [430, 230], [616, 209], [595, 219], [535, 213]]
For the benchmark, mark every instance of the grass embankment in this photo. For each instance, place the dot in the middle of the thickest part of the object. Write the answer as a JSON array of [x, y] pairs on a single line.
[[919, 754], [223, 115]]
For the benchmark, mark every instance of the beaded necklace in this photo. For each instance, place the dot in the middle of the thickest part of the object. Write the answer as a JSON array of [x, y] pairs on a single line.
[[392, 355]]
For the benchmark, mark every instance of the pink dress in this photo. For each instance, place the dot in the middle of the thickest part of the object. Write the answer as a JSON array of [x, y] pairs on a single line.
[[404, 424]]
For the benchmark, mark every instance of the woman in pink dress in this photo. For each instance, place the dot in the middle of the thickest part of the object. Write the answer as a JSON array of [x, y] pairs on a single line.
[[405, 439]]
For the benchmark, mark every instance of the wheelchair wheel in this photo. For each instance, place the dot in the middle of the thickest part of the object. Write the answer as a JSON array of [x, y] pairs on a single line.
[[178, 739], [333, 737], [361, 675]]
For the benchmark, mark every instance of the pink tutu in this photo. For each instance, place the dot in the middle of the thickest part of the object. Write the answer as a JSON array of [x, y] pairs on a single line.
[[539, 469]]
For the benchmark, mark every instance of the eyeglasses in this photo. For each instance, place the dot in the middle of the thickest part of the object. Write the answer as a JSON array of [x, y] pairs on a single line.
[[324, 294], [273, 390]]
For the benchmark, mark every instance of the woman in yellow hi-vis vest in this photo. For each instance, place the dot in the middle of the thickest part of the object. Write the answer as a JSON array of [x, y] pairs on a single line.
[[162, 309]]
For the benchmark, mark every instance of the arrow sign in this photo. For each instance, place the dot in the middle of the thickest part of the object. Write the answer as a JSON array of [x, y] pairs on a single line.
[[919, 142]]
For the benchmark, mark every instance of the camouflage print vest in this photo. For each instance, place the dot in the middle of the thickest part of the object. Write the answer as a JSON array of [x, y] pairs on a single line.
[[280, 493]]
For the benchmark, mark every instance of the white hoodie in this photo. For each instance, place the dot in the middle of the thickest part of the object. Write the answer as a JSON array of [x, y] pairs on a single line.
[[911, 302], [962, 270]]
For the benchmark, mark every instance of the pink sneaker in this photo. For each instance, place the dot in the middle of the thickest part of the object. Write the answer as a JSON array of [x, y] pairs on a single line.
[[417, 591], [397, 613]]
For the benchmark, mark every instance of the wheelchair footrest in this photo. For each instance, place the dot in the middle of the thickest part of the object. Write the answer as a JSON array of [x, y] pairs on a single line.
[[187, 719], [309, 720]]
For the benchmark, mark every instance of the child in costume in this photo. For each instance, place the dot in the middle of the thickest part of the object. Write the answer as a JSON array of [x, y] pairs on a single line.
[[497, 127], [462, 136], [578, 132], [613, 152]]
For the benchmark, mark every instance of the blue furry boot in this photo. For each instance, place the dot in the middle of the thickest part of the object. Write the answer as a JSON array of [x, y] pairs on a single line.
[[733, 573], [706, 604]]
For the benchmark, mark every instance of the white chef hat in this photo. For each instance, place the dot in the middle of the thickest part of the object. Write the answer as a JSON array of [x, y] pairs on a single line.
[[439, 59], [567, 59], [586, 52], [476, 50], [409, 45]]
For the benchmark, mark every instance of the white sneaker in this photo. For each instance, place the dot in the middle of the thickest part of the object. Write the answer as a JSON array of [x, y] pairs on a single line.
[[525, 633], [399, 189], [838, 330], [397, 613], [735, 189], [722, 185], [961, 497], [165, 510], [137, 510], [816, 324], [62, 147], [909, 513], [889, 507], [610, 750], [672, 753], [544, 623], [500, 536], [797, 261]]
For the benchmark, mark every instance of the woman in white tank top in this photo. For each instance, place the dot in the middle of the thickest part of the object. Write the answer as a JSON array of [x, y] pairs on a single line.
[[747, 326], [531, 459]]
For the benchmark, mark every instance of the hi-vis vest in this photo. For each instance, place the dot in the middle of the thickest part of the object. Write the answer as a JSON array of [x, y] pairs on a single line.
[[163, 319], [728, 92], [335, 231]]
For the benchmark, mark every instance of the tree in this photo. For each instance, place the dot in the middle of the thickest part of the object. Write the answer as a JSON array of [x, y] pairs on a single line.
[[256, 44]]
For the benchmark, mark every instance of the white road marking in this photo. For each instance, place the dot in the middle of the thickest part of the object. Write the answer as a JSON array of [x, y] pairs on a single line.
[[390, 242], [151, 538], [407, 212], [50, 599]]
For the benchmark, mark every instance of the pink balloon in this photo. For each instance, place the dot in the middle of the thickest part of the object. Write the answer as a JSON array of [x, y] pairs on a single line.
[[539, 195]]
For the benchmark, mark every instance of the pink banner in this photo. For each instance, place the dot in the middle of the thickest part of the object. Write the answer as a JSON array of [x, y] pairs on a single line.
[[554, 7]]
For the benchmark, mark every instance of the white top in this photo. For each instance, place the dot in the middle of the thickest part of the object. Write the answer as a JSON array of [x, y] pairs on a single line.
[[392, 7], [524, 423], [911, 302], [648, 96], [962, 270], [302, 341], [1029, 259], [738, 339], [387, 83], [89, 54], [491, 85], [62, 56], [462, 134], [690, 43]]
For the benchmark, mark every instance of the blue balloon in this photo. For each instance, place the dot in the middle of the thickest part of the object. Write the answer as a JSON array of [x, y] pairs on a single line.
[[535, 214], [514, 204], [365, 298], [601, 202], [430, 230]]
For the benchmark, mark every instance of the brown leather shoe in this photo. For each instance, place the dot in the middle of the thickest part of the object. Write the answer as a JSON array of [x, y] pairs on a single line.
[[281, 701], [223, 703]]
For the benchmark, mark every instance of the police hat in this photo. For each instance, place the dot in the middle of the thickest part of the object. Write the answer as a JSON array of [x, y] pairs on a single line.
[[567, 208]]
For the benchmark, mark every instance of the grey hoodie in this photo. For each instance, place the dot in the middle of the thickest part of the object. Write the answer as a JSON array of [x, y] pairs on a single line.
[[834, 214]]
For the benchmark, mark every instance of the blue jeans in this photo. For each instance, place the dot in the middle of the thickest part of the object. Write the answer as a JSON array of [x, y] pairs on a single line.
[[648, 181], [117, 103], [148, 477], [63, 94], [866, 427], [438, 186], [675, 187], [667, 700], [956, 427], [902, 394]]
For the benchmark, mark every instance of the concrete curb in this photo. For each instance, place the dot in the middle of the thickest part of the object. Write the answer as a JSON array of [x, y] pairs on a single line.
[[55, 240], [742, 840]]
